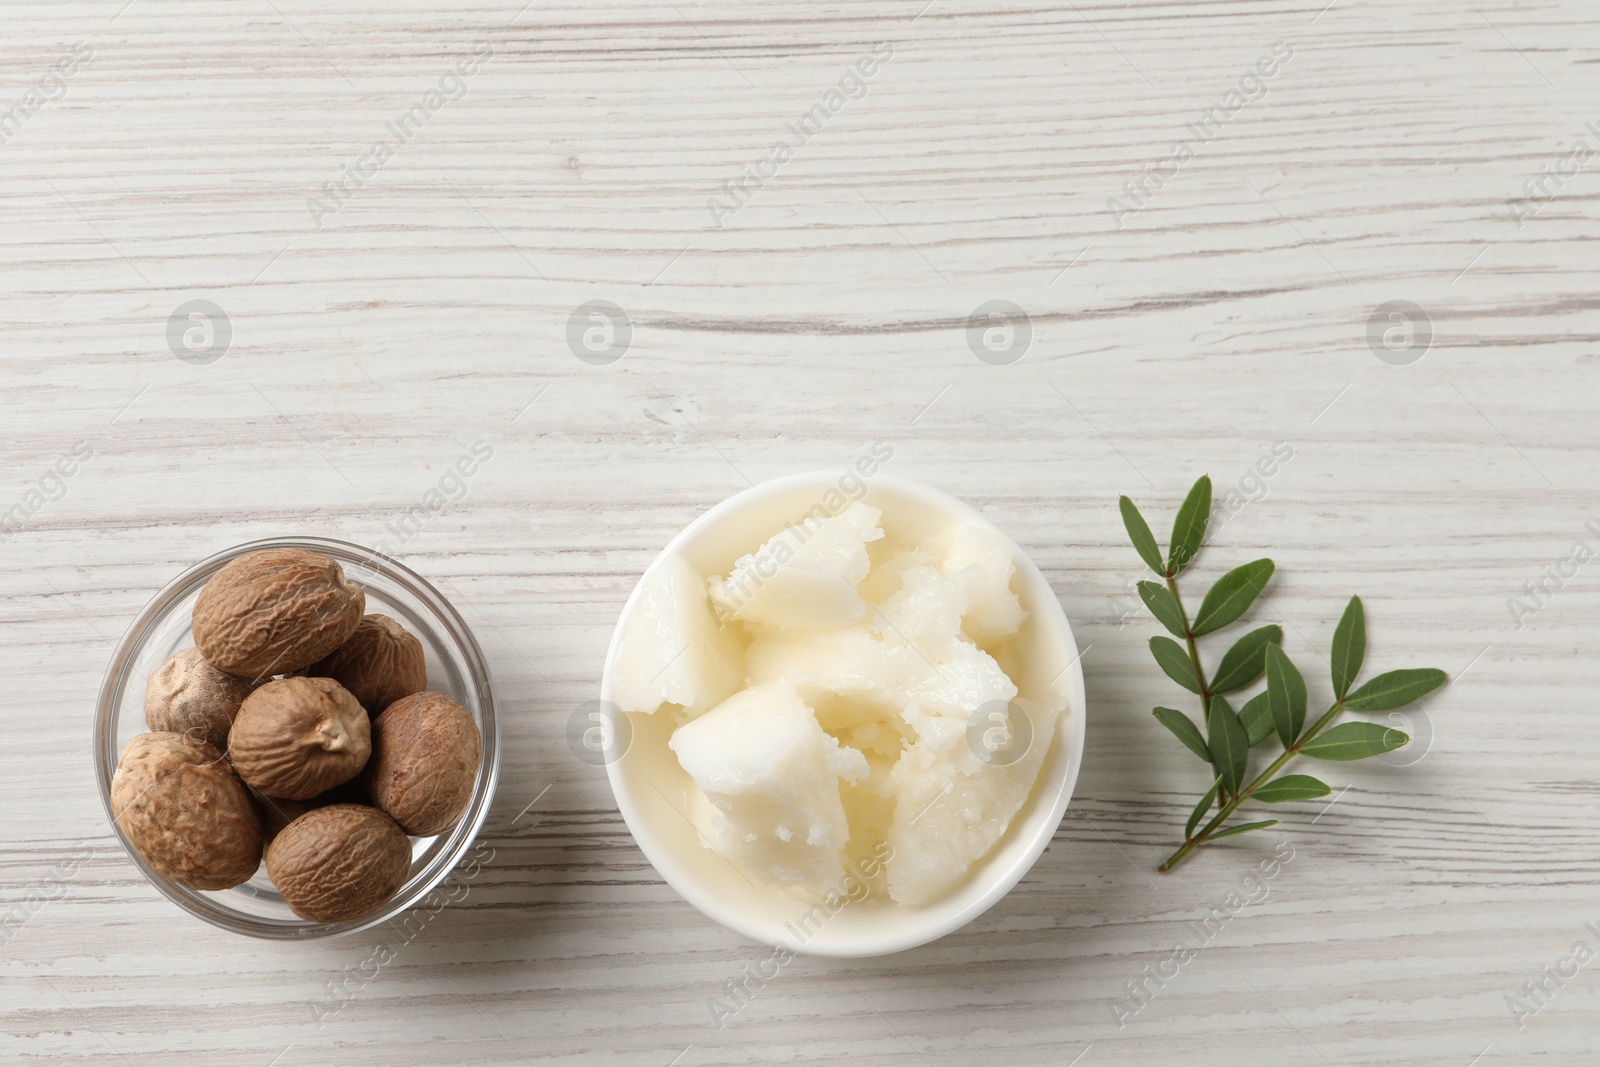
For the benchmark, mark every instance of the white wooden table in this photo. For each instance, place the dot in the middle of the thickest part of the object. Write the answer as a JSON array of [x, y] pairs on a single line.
[[1197, 271]]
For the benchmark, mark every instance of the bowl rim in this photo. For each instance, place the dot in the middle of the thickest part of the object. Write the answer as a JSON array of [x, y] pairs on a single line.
[[446, 619], [1038, 834]]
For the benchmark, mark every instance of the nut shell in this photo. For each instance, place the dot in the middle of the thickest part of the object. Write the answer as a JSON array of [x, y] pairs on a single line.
[[297, 737], [380, 663], [187, 695], [275, 611], [425, 754], [180, 805], [340, 862]]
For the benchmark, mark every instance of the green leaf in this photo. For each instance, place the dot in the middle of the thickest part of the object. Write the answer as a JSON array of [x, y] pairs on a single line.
[[1354, 740], [1185, 730], [1246, 828], [1232, 596], [1286, 690], [1189, 529], [1256, 716], [1229, 744], [1396, 689], [1349, 647], [1144, 542], [1164, 606], [1200, 809], [1291, 787], [1244, 662], [1171, 657]]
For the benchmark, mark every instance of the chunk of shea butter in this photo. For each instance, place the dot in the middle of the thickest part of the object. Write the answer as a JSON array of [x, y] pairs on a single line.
[[951, 806], [880, 671], [806, 575], [926, 610], [674, 650], [850, 662], [772, 778], [984, 566]]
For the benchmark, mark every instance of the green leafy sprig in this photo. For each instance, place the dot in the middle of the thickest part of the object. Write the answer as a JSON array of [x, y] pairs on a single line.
[[1224, 736]]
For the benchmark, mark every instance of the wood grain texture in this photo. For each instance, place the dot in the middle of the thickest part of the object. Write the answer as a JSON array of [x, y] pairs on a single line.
[[1380, 162]]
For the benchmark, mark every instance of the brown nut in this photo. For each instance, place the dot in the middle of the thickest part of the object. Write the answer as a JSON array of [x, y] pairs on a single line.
[[381, 663], [187, 695], [339, 862], [296, 737], [425, 752], [275, 611], [179, 803]]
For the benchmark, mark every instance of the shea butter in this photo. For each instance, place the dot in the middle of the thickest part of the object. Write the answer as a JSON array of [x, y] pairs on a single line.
[[843, 692]]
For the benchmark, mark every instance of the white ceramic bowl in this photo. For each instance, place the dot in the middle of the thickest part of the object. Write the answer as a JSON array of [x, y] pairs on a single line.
[[651, 788]]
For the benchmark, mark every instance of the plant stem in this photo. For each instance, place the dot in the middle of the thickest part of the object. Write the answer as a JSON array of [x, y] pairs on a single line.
[[1194, 651], [1199, 671], [1265, 776]]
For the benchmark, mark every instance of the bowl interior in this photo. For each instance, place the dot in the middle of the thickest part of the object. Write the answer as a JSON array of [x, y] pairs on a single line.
[[455, 666], [652, 790]]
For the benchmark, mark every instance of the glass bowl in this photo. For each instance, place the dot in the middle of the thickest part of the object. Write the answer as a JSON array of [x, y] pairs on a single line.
[[455, 666]]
